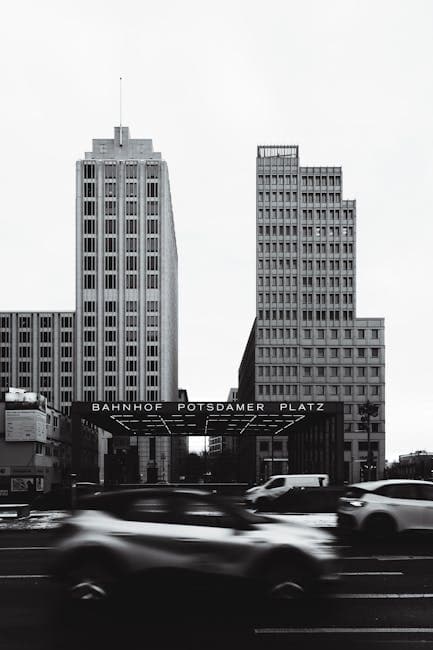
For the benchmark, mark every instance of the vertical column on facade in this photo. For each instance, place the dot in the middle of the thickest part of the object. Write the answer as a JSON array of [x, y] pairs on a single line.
[[99, 294], [76, 441], [121, 279], [141, 284]]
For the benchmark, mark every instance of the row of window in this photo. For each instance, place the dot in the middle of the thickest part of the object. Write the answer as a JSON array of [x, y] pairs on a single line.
[[89, 306], [110, 281], [292, 179], [110, 243], [319, 371], [131, 169], [130, 350], [110, 228], [307, 298], [44, 322], [66, 336], [307, 390], [317, 197], [111, 380], [151, 395], [307, 281], [319, 214], [274, 263]]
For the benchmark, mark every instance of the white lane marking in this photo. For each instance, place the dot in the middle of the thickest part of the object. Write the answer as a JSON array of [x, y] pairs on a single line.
[[388, 557], [25, 548], [345, 630], [371, 573], [35, 575], [373, 596]]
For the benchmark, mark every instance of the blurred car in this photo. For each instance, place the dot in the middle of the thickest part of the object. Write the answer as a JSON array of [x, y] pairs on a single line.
[[309, 499], [381, 508], [261, 496], [148, 532], [60, 497]]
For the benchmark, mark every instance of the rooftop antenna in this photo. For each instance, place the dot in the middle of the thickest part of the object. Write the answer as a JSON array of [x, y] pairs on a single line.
[[120, 111]]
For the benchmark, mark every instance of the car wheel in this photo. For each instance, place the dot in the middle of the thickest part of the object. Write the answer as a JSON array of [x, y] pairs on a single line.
[[89, 580], [379, 526], [287, 580]]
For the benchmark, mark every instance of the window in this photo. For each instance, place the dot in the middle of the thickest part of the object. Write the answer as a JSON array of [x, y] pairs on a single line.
[[425, 492], [277, 482], [154, 509], [400, 491]]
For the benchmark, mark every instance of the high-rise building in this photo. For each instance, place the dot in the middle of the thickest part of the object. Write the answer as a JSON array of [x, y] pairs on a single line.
[[121, 343], [307, 343], [126, 283]]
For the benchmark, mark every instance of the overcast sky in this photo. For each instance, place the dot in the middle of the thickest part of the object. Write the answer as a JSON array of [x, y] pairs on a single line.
[[350, 82]]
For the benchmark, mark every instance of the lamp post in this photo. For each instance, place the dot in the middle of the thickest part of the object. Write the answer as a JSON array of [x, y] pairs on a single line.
[[367, 411]]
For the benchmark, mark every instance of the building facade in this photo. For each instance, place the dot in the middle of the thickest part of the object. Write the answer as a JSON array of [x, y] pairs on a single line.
[[126, 283], [36, 446], [307, 343], [121, 343], [37, 353]]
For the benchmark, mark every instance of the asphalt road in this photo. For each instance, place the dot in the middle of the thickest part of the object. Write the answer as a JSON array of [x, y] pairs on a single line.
[[384, 600]]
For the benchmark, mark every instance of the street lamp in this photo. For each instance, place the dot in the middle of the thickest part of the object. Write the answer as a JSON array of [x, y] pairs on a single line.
[[367, 411]]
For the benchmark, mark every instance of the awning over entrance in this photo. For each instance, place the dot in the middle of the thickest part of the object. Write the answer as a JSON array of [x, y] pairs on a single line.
[[204, 418], [314, 431]]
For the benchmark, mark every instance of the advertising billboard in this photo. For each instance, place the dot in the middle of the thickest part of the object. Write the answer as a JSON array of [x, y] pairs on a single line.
[[25, 426]]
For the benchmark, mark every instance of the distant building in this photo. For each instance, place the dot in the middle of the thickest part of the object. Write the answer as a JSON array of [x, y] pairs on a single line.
[[416, 465], [229, 444], [307, 343]]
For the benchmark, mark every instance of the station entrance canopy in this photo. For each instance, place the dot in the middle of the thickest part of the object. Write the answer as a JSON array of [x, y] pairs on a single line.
[[206, 418]]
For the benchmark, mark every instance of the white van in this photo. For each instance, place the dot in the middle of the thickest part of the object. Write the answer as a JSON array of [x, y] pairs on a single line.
[[278, 485]]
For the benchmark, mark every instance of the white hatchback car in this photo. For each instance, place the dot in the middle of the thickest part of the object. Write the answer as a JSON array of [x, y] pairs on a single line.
[[145, 532], [380, 508]]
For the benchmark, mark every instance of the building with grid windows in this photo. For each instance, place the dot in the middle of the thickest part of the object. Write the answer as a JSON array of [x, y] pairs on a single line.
[[121, 342], [126, 283], [37, 353], [307, 343]]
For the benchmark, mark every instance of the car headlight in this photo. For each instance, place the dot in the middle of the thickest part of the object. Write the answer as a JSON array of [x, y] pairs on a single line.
[[356, 503]]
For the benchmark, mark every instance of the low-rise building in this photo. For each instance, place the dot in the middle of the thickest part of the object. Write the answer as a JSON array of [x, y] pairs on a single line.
[[36, 446]]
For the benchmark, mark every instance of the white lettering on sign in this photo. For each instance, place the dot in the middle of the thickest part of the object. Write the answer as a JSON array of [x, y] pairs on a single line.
[[220, 407], [302, 406]]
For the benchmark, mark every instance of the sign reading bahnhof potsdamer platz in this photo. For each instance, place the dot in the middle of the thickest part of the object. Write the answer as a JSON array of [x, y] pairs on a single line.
[[314, 430]]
